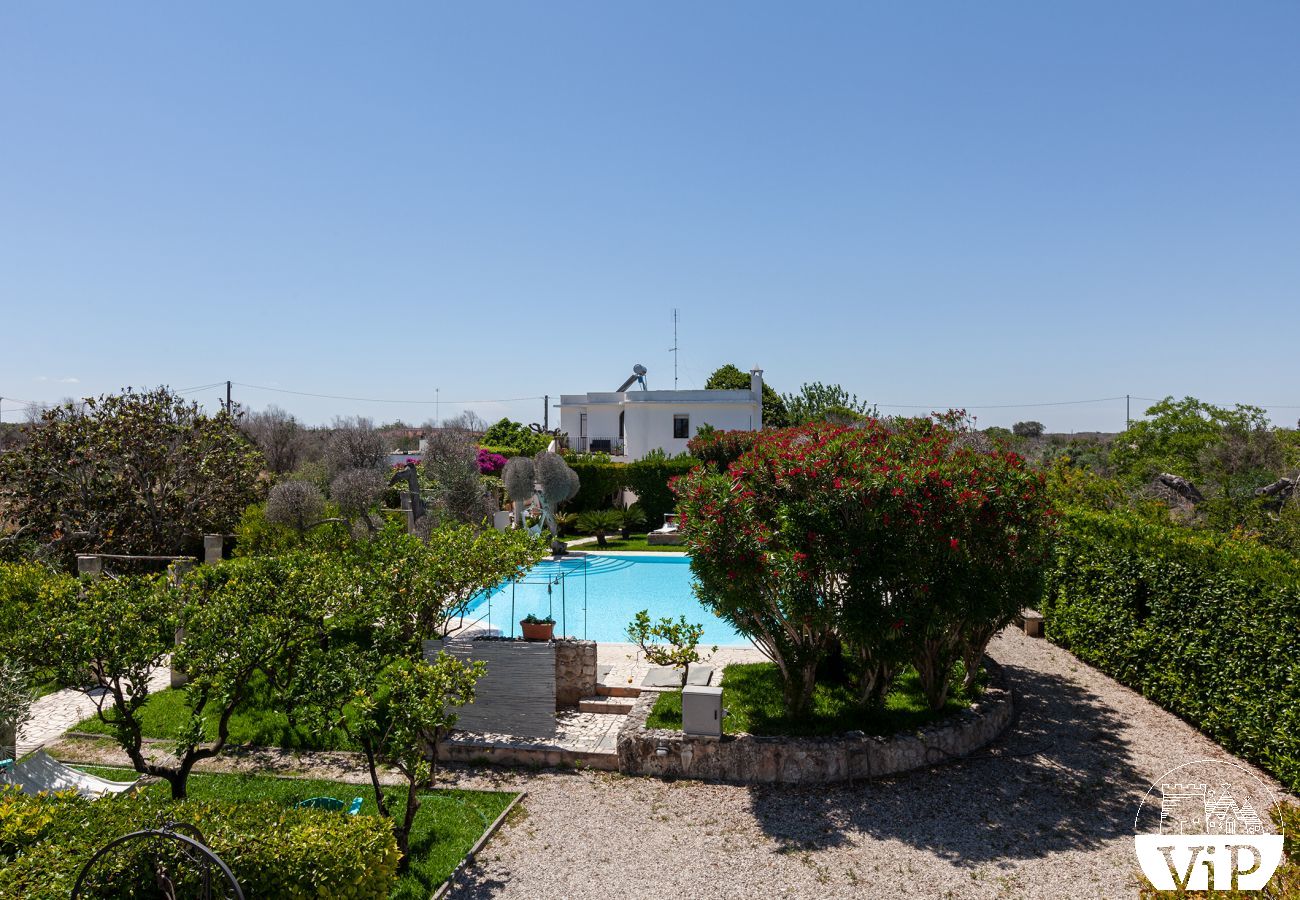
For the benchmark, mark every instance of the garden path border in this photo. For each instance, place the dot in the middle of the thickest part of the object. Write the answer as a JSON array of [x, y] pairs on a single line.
[[468, 859]]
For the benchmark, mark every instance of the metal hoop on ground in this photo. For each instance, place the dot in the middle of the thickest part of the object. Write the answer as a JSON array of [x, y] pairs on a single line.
[[211, 876]]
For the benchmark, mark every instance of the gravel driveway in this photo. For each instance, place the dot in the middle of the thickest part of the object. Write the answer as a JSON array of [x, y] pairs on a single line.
[[1046, 812]]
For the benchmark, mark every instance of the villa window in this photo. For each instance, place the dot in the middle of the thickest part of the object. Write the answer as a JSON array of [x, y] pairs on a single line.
[[681, 426]]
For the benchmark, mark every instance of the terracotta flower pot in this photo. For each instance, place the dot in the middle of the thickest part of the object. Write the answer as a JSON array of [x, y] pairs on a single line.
[[537, 631]]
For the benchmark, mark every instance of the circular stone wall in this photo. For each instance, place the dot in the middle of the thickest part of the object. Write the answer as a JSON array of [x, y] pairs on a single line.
[[747, 758]]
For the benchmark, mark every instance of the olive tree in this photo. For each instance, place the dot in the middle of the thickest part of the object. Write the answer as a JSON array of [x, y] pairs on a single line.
[[356, 493], [354, 443], [451, 468], [296, 504], [15, 700], [280, 437], [556, 483]]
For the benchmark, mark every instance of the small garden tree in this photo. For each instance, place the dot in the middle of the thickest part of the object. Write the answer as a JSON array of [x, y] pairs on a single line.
[[356, 493], [418, 586], [451, 466], [239, 619], [398, 717], [15, 702], [364, 672], [296, 504], [546, 477], [665, 642]]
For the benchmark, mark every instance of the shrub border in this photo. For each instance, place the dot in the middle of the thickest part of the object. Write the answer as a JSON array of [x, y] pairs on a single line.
[[853, 756]]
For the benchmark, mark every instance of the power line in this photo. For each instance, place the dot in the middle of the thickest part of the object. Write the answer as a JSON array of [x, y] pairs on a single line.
[[261, 387], [998, 405], [200, 387]]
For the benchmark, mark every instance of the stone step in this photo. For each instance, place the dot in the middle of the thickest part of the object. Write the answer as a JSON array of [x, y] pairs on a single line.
[[618, 690], [604, 704]]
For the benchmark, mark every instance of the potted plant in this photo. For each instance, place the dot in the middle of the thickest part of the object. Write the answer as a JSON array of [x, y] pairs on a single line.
[[537, 629]]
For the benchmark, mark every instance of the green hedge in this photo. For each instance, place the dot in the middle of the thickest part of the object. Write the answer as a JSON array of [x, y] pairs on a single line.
[[273, 850], [1204, 625], [598, 480], [651, 479]]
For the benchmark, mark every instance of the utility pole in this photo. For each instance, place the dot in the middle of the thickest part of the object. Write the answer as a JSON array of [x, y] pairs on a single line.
[[437, 407], [546, 413], [228, 406], [1128, 418]]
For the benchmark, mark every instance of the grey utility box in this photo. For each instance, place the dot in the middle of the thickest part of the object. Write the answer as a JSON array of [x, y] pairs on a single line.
[[702, 711]]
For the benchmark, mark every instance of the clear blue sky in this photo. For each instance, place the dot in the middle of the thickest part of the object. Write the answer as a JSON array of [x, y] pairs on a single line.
[[940, 203]]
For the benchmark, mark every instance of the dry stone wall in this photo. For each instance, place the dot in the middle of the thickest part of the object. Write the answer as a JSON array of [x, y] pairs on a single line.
[[747, 758], [575, 671]]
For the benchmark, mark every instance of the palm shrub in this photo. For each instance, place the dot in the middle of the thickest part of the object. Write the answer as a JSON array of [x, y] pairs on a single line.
[[902, 544], [600, 522], [633, 519]]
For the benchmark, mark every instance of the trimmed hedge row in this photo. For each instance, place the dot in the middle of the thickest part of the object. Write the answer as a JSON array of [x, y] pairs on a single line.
[[273, 850], [1204, 625], [650, 478]]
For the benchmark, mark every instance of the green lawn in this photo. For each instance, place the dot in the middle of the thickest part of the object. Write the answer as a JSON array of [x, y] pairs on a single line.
[[635, 544], [447, 825], [258, 722], [751, 694]]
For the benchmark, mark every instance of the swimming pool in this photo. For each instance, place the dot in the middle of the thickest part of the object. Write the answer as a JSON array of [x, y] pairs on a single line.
[[595, 597]]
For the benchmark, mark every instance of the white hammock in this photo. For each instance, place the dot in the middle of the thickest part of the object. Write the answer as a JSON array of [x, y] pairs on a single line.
[[42, 772]]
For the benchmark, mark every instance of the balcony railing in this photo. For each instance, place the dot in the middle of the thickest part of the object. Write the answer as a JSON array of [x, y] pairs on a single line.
[[612, 446]]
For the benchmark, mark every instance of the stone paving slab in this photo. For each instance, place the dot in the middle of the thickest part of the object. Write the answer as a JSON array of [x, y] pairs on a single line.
[[579, 732], [628, 665], [54, 714]]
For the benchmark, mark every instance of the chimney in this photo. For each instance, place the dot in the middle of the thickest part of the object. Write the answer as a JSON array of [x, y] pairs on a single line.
[[756, 389]]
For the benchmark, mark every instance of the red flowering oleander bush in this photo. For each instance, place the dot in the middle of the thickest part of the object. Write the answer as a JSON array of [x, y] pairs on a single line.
[[720, 449], [901, 545]]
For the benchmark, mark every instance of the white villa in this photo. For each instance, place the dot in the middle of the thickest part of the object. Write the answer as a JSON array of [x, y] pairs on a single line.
[[628, 424]]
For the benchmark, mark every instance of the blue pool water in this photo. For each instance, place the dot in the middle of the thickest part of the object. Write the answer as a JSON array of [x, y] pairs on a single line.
[[595, 597]]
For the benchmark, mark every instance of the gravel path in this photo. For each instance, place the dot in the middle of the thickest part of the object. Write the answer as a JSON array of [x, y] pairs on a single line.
[[1046, 812]]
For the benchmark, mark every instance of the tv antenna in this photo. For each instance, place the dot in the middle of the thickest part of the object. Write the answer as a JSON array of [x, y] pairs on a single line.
[[673, 351]]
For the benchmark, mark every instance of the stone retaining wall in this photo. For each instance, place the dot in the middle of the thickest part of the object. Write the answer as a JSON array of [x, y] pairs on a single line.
[[575, 671], [747, 758]]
